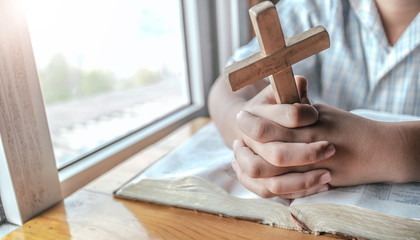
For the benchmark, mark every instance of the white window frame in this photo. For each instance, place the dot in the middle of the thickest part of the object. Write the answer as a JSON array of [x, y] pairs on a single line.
[[29, 180]]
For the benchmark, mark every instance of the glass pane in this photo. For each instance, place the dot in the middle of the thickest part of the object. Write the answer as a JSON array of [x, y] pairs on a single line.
[[106, 67]]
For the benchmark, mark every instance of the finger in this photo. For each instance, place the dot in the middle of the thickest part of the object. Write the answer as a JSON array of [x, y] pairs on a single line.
[[262, 129], [287, 115], [302, 86], [286, 154], [259, 129], [252, 164], [253, 184], [297, 184], [290, 185]]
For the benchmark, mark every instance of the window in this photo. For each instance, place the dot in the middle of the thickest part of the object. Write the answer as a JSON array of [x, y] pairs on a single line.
[[116, 73], [107, 68], [24, 134]]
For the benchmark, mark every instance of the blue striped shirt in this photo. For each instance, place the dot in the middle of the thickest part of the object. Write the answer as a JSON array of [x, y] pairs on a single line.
[[360, 70]]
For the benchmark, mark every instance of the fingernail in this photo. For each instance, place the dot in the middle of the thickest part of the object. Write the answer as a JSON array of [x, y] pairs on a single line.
[[235, 144], [325, 178], [323, 189], [329, 151], [239, 114]]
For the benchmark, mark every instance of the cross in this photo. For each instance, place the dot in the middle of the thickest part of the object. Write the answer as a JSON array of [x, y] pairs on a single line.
[[277, 55]]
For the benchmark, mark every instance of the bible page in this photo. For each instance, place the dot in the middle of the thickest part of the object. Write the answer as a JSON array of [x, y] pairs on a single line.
[[206, 156], [401, 200]]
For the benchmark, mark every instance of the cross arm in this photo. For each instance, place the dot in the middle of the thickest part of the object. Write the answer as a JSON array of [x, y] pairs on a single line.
[[258, 66]]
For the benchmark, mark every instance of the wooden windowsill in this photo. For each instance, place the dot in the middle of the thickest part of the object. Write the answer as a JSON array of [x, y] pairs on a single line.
[[93, 213]]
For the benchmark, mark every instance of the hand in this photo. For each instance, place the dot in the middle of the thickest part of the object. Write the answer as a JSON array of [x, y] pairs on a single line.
[[263, 177], [366, 151], [277, 181], [287, 115]]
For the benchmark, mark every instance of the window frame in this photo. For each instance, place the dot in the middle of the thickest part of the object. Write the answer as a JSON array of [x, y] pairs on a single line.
[[27, 157]]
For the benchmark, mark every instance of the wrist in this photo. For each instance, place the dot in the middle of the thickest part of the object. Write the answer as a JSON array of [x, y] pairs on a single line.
[[384, 152], [408, 151]]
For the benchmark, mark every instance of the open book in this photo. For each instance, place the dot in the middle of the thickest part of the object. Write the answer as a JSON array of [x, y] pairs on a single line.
[[198, 175]]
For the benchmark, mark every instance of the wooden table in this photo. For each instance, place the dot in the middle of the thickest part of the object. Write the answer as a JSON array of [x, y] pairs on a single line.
[[93, 213]]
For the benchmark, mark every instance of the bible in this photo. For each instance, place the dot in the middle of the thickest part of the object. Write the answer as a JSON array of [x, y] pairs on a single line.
[[198, 176]]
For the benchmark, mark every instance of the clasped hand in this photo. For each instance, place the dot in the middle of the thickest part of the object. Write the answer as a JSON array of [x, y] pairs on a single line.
[[295, 150]]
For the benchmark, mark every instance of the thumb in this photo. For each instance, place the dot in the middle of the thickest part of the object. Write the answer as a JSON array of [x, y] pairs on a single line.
[[302, 87]]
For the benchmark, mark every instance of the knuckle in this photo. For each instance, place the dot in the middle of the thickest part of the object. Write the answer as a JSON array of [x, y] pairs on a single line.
[[264, 193], [276, 187], [255, 170], [280, 157], [261, 131], [308, 182]]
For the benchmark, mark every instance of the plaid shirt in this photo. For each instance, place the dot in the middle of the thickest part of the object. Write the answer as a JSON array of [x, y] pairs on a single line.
[[360, 70]]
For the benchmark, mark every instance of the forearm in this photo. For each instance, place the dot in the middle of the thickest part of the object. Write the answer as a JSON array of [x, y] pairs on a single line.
[[224, 105], [372, 151], [375, 151], [407, 166]]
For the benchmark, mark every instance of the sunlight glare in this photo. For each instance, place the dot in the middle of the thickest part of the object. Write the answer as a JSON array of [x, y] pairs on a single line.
[[105, 33]]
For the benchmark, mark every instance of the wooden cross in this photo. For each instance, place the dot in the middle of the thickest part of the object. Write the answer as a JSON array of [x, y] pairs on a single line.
[[277, 55]]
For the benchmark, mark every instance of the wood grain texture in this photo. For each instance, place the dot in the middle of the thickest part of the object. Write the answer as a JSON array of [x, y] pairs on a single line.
[[92, 213], [258, 66], [28, 163], [270, 37], [276, 55]]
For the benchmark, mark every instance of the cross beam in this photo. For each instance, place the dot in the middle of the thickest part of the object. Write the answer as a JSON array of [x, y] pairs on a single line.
[[277, 55]]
